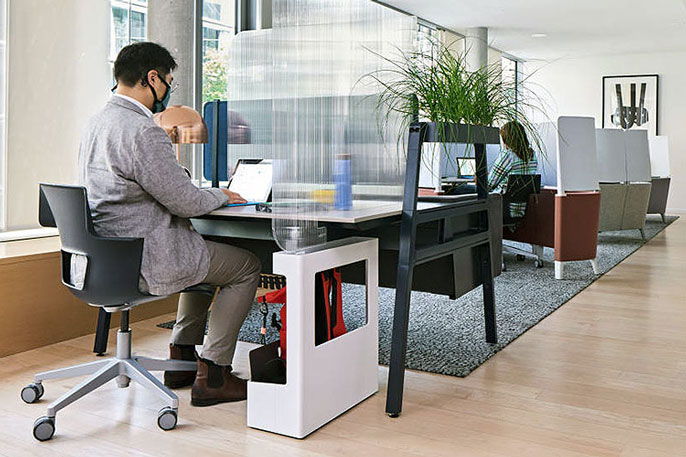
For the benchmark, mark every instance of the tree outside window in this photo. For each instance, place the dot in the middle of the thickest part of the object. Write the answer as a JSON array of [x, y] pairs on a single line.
[[218, 20]]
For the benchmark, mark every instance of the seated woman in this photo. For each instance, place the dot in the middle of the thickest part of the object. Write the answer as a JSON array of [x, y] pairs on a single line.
[[517, 158]]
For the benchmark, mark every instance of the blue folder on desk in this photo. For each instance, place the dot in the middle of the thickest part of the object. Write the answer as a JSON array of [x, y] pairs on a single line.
[[231, 205]]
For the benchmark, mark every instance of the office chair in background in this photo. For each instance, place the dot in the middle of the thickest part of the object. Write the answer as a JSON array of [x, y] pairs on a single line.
[[110, 283], [519, 190]]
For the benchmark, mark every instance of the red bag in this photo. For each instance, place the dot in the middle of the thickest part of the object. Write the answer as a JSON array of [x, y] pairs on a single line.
[[328, 308]]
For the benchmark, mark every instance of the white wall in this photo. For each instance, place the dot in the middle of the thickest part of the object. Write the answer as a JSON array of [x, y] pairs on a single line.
[[58, 76], [574, 87]]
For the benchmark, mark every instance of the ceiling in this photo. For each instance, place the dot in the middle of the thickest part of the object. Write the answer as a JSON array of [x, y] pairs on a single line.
[[573, 28]]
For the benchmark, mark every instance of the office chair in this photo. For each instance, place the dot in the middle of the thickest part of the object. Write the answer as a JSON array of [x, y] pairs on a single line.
[[519, 189], [110, 283]]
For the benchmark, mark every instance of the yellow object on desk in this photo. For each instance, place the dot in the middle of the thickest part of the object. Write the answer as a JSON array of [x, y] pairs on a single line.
[[325, 196]]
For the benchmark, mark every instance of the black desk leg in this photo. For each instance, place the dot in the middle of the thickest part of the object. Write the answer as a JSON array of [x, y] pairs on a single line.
[[401, 316], [488, 293], [102, 332], [406, 257]]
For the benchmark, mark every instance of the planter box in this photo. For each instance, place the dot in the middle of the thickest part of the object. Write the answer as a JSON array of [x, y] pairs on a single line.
[[443, 132], [440, 149]]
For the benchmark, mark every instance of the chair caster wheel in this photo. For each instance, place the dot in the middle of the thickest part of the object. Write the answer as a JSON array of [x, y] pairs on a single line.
[[44, 428], [167, 418], [32, 393], [538, 264], [520, 258], [393, 415]]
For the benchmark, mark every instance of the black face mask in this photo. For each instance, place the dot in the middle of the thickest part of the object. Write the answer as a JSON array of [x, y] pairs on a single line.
[[160, 105]]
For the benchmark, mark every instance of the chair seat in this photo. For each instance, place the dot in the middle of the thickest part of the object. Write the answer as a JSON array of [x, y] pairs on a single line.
[[206, 289]]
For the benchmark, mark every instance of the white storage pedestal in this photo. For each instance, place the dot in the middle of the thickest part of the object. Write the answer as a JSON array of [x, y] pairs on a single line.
[[322, 381]]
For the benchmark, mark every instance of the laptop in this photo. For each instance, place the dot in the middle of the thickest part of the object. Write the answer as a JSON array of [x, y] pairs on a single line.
[[252, 180], [466, 167]]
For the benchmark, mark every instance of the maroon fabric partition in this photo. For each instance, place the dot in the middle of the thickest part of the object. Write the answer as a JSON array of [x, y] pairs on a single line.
[[569, 224], [576, 226], [538, 226]]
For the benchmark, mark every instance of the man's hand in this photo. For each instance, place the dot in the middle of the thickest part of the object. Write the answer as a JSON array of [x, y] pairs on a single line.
[[234, 198]]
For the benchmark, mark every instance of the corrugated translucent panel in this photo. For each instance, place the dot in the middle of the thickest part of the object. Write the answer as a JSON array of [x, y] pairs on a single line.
[[331, 156], [250, 95]]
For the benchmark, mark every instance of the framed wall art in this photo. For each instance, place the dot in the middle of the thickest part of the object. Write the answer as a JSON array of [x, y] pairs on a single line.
[[631, 102]]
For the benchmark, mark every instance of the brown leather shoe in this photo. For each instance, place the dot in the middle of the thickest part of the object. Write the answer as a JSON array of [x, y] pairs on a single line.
[[216, 384], [178, 379]]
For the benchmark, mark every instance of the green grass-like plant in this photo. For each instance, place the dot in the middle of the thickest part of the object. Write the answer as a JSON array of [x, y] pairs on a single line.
[[437, 86]]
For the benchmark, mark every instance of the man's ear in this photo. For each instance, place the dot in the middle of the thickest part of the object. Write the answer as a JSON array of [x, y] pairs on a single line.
[[149, 76]]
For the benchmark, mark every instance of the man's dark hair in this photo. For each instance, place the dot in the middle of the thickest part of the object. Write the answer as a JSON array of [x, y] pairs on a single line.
[[136, 60]]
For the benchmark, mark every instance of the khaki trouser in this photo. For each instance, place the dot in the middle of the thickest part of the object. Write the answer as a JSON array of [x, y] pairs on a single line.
[[237, 272]]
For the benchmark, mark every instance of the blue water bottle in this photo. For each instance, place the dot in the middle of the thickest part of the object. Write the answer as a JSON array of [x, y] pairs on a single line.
[[343, 199]]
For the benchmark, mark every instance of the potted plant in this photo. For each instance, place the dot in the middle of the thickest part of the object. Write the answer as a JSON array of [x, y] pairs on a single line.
[[437, 87]]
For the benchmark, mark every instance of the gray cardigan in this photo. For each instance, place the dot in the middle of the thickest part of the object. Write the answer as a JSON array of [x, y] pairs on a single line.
[[137, 189]]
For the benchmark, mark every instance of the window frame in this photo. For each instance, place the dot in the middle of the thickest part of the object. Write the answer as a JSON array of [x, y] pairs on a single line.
[[131, 6], [517, 75], [203, 23]]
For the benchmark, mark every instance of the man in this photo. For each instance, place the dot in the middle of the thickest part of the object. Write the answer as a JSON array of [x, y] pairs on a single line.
[[137, 189]]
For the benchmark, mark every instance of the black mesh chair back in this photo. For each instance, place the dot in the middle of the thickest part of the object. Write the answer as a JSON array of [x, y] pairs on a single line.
[[519, 188], [112, 265]]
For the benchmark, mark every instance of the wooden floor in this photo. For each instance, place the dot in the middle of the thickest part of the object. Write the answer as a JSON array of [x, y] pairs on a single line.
[[605, 375]]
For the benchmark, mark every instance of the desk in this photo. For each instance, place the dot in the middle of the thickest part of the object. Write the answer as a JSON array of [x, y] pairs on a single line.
[[444, 246], [252, 230], [451, 264]]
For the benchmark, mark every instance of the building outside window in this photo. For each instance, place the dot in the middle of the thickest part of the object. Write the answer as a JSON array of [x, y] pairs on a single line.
[[128, 24]]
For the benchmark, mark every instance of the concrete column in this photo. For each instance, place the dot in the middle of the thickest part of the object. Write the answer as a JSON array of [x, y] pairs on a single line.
[[171, 24], [476, 45]]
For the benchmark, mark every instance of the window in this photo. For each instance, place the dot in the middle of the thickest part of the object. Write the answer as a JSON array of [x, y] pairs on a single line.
[[128, 24], [217, 31], [212, 10], [510, 76], [427, 38], [210, 39]]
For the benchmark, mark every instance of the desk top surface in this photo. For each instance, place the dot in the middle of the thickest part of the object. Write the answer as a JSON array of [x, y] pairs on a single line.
[[363, 211]]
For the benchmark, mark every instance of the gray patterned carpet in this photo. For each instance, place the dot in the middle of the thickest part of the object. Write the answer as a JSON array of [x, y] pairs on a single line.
[[447, 336]]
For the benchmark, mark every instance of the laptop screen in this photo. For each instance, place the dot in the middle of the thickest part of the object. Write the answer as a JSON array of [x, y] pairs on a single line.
[[466, 167], [252, 180]]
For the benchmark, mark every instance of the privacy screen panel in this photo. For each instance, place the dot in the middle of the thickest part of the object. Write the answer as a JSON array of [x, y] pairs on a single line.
[[333, 150]]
